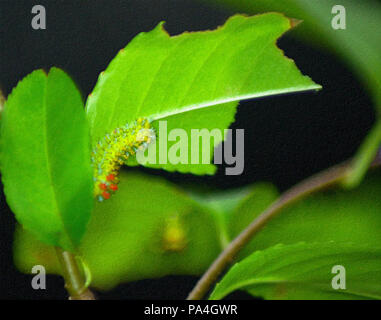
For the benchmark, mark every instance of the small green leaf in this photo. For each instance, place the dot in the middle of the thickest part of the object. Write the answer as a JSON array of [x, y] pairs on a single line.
[[45, 158], [149, 229], [305, 271], [194, 80]]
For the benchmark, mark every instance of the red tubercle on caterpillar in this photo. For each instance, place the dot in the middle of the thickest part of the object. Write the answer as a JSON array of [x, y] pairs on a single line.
[[110, 177], [107, 188], [113, 187], [106, 195], [103, 186]]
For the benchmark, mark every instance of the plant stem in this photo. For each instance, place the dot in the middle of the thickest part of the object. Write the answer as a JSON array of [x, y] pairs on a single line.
[[324, 179], [365, 155], [74, 282]]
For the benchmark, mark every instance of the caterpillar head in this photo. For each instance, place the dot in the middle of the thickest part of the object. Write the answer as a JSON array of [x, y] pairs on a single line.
[[145, 136]]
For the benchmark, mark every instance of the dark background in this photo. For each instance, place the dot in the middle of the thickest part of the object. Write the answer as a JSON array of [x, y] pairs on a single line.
[[287, 138]]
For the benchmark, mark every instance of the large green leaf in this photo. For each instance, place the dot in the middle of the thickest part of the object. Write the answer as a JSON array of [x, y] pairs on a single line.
[[45, 158], [358, 45], [332, 215], [148, 229], [194, 80], [305, 271], [128, 237]]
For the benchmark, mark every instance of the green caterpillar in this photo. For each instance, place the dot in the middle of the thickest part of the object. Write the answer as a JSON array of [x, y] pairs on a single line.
[[112, 152]]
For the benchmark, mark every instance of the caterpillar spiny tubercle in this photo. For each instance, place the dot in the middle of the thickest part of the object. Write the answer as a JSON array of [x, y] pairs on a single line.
[[113, 150]]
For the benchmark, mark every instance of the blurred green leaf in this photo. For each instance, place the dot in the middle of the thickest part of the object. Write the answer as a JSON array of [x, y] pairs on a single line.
[[45, 158], [359, 45], [332, 215], [148, 229], [125, 236], [194, 80], [305, 271], [256, 198]]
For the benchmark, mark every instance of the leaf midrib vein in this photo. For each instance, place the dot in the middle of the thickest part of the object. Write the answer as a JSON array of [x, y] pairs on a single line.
[[56, 209]]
